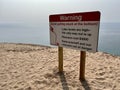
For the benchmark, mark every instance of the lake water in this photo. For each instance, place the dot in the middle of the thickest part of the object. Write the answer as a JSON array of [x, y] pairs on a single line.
[[109, 36]]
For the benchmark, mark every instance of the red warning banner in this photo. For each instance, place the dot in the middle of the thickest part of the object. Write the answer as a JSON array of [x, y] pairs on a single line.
[[85, 16]]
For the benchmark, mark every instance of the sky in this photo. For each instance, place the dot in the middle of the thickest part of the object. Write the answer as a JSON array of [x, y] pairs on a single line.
[[37, 12]]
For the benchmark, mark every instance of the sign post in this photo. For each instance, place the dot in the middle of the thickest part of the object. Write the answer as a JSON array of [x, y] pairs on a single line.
[[60, 59], [78, 31], [82, 65]]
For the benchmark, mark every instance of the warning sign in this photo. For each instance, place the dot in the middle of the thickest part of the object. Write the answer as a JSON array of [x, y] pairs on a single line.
[[75, 30]]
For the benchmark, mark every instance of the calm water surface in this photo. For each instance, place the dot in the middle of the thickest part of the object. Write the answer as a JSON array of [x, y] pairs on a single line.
[[109, 36]]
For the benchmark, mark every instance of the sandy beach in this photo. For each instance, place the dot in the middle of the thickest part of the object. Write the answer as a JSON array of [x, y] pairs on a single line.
[[35, 67]]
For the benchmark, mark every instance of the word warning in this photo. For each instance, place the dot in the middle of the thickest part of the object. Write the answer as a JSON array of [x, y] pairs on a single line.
[[75, 30]]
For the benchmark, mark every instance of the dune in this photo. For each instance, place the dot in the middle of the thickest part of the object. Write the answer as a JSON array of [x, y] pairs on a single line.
[[35, 67]]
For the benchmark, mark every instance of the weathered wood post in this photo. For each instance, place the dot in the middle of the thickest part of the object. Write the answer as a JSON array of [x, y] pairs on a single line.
[[82, 65], [60, 59]]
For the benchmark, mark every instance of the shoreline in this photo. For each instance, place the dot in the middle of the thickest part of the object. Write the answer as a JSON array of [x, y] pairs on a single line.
[[26, 44], [51, 46]]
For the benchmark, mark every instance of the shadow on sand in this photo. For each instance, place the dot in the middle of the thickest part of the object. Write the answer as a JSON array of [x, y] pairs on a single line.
[[85, 84], [63, 81], [65, 84]]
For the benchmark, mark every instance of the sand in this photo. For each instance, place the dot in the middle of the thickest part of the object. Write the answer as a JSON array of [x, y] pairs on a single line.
[[34, 67]]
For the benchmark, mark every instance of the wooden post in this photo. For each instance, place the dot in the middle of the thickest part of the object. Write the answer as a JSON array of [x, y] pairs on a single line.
[[60, 59], [82, 65]]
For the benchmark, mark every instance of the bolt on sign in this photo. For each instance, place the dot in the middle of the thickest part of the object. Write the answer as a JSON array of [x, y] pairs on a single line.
[[75, 30]]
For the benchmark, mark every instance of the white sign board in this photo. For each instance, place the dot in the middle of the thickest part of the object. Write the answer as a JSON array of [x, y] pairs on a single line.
[[75, 30]]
